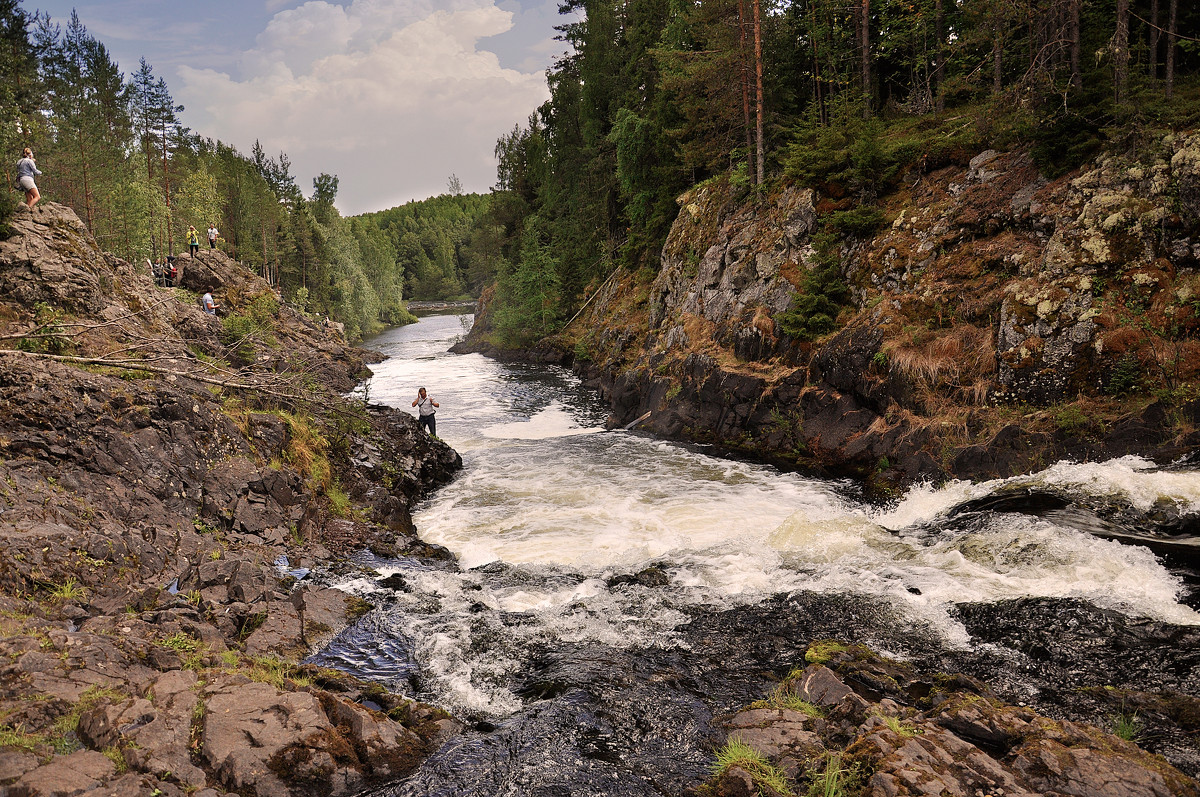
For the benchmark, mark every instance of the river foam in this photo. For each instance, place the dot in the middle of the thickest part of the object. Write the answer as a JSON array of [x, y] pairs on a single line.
[[568, 535]]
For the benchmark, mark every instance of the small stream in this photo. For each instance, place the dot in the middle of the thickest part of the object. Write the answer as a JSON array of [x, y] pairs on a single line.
[[615, 592]]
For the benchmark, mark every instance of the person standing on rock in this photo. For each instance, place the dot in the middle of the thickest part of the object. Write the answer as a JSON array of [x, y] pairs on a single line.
[[26, 171], [206, 302], [426, 407], [212, 235], [193, 240]]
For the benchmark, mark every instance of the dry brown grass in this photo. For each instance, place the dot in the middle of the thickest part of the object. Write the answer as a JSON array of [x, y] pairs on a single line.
[[956, 365]]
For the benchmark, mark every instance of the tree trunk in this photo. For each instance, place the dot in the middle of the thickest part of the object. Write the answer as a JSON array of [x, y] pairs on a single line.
[[1154, 36], [1171, 38], [939, 98], [1121, 52], [744, 64], [866, 57], [1076, 78], [997, 71], [758, 71], [817, 93], [167, 193]]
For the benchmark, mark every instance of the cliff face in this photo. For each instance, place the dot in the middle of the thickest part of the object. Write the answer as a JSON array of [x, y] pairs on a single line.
[[156, 463], [998, 321]]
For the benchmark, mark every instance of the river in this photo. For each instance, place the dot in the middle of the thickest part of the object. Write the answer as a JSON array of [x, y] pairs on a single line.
[[613, 590]]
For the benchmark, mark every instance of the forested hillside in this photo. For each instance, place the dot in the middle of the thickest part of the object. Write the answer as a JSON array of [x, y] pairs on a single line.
[[112, 146], [443, 245], [853, 99]]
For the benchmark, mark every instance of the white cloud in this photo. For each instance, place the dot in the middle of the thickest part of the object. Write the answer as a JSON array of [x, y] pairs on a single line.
[[392, 96]]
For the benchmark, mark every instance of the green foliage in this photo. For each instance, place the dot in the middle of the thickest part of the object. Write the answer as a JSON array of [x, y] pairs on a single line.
[[339, 500], [814, 310], [737, 753], [69, 590], [835, 780], [253, 325], [1126, 375], [1070, 418], [785, 697], [1127, 726], [47, 334], [902, 729], [858, 222], [527, 294]]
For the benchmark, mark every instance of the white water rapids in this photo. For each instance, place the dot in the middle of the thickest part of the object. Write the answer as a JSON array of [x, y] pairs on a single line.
[[544, 489]]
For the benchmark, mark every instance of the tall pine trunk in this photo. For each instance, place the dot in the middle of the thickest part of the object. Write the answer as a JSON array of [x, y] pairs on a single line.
[[1154, 36], [1171, 38], [1075, 34], [865, 45], [997, 61], [1121, 52], [939, 97], [744, 69], [817, 92], [758, 70]]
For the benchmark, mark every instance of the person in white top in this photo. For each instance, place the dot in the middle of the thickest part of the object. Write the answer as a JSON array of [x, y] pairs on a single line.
[[212, 235], [427, 408], [26, 170]]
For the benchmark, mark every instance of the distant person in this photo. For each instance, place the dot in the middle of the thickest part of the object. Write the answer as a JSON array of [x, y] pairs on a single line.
[[26, 171], [212, 235], [193, 240], [426, 408], [210, 306]]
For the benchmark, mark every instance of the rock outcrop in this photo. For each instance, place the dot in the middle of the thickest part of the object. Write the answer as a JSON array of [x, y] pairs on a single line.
[[876, 727], [998, 321], [169, 479]]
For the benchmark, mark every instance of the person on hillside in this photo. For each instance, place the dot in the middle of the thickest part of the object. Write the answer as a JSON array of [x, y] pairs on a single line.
[[426, 408], [26, 171], [193, 237], [212, 235], [210, 306]]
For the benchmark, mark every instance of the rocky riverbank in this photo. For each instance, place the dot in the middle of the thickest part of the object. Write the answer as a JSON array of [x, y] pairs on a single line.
[[171, 482], [853, 722], [992, 320]]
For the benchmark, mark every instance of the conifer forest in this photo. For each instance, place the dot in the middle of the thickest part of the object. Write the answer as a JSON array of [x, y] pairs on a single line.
[[650, 98]]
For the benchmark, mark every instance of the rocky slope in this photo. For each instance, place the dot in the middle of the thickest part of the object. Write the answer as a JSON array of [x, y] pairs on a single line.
[[855, 722], [169, 480], [999, 321]]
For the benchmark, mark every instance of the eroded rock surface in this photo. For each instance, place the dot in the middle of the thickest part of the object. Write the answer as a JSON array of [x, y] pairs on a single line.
[[958, 739], [163, 504]]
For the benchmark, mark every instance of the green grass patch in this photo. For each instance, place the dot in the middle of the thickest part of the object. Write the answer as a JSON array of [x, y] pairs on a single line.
[[277, 672], [20, 738], [737, 753], [836, 780], [1127, 726], [69, 590], [904, 730]]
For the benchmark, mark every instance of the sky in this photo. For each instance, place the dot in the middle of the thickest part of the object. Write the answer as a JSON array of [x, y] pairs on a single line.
[[392, 96]]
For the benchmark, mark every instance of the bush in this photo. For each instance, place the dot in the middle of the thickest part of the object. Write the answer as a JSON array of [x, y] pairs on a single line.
[[242, 331]]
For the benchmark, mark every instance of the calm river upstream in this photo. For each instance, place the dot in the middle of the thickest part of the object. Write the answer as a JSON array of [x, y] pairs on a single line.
[[612, 588]]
